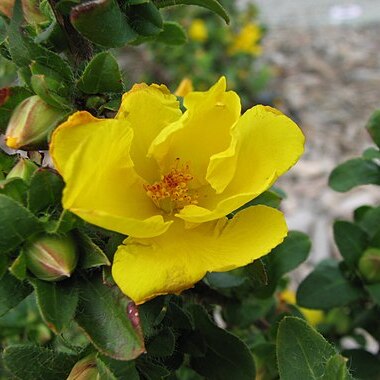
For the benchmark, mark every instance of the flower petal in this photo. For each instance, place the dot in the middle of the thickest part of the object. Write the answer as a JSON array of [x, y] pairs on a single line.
[[176, 260], [148, 109], [265, 144], [92, 155], [203, 130]]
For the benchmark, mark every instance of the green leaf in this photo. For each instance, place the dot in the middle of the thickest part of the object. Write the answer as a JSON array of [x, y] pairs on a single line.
[[212, 5], [302, 353], [373, 127], [145, 19], [16, 224], [284, 258], [172, 34], [29, 362], [110, 369], [18, 268], [268, 198], [13, 97], [102, 314], [370, 222], [102, 74], [103, 23], [47, 89], [14, 188], [46, 188], [362, 364], [355, 172], [374, 291], [163, 344], [325, 288], [226, 357], [257, 274], [336, 369], [91, 256], [371, 154], [151, 370], [351, 241], [57, 302], [12, 292], [223, 280]]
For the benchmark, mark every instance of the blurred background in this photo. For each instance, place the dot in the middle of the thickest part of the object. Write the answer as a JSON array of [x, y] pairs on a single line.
[[319, 62]]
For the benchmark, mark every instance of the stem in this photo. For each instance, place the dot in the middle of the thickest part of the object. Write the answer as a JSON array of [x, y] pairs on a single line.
[[80, 48]]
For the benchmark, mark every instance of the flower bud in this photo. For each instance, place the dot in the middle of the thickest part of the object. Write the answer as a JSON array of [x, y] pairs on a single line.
[[369, 265], [31, 124], [24, 169], [85, 369], [51, 257]]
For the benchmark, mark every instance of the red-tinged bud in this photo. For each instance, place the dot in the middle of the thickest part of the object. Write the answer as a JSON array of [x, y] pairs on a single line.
[[51, 257], [23, 169], [369, 265], [85, 369], [31, 124], [4, 95]]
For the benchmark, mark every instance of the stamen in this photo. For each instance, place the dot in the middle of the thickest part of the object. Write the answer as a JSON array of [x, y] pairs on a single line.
[[172, 192]]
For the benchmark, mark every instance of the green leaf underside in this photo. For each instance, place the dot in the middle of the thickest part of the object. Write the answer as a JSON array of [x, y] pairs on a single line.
[[28, 362], [302, 353], [57, 302], [102, 315]]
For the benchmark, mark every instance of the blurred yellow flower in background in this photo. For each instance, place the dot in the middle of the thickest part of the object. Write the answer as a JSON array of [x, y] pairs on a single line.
[[313, 317], [168, 179], [184, 87], [198, 30], [247, 40]]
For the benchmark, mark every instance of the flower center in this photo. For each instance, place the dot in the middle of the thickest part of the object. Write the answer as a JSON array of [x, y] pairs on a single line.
[[172, 192]]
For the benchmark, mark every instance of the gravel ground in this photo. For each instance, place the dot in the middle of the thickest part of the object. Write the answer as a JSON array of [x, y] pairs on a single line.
[[328, 79]]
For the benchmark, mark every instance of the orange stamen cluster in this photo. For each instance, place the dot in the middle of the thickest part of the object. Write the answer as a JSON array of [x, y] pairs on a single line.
[[172, 191]]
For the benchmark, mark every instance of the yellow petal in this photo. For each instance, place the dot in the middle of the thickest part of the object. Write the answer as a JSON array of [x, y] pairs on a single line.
[[203, 130], [148, 109], [184, 88], [92, 155], [176, 260], [265, 144]]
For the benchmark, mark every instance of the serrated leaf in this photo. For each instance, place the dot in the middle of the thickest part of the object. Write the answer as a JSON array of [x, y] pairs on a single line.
[[302, 352], [351, 241], [355, 172], [151, 370], [226, 357], [103, 23], [102, 314], [256, 273], [57, 302], [102, 74], [212, 5], [12, 292], [45, 191], [172, 34], [91, 256], [16, 224], [336, 369], [326, 287], [28, 362]]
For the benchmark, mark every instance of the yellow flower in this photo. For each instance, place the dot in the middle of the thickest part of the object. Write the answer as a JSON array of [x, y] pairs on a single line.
[[184, 87], [168, 179], [198, 30], [314, 317], [247, 41]]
